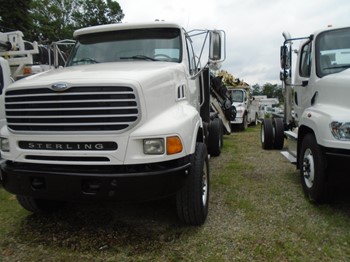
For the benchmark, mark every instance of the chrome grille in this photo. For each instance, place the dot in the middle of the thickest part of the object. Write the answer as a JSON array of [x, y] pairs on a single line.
[[92, 108]]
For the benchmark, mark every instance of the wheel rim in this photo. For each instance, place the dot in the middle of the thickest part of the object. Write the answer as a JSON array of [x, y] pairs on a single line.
[[205, 184], [262, 136], [308, 168]]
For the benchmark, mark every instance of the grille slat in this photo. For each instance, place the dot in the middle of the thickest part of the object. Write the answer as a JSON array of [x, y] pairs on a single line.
[[77, 109]]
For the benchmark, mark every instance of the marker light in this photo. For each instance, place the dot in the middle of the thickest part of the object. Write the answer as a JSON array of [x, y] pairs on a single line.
[[173, 145]]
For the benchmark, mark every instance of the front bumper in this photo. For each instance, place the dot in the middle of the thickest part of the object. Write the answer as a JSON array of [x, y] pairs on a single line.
[[69, 182], [238, 120]]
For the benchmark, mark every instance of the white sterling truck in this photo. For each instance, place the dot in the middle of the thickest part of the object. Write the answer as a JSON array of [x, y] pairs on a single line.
[[316, 120], [127, 118]]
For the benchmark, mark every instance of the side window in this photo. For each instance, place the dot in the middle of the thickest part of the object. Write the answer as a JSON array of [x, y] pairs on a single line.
[[305, 60], [191, 57]]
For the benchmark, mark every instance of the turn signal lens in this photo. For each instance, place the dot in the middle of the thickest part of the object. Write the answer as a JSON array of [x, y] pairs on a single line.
[[173, 145]]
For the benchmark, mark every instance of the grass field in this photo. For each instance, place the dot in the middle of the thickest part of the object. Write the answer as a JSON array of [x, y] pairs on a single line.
[[257, 213]]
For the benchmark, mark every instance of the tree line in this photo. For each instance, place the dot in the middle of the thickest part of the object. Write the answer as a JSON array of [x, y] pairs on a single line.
[[46, 21], [269, 90]]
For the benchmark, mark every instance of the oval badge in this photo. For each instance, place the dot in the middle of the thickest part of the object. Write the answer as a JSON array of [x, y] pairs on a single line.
[[59, 87]]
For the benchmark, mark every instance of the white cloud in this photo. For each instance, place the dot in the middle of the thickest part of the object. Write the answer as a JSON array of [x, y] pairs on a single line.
[[253, 27]]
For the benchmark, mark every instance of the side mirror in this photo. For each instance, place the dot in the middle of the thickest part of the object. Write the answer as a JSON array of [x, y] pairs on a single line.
[[215, 46], [284, 57]]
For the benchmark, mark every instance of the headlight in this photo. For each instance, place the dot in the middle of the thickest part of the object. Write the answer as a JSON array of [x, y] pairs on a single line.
[[340, 131], [4, 144], [153, 146]]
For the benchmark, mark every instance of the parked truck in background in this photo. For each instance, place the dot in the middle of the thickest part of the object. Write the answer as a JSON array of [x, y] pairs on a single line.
[[247, 108], [316, 120], [128, 118]]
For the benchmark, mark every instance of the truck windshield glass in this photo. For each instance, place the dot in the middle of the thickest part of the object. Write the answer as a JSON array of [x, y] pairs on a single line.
[[333, 52], [237, 96], [155, 44]]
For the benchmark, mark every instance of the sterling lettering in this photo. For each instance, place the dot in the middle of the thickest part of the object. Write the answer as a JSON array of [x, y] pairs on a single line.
[[69, 146]]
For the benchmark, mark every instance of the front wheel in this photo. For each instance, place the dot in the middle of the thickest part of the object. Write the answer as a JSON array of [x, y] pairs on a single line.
[[244, 125], [193, 199], [313, 170]]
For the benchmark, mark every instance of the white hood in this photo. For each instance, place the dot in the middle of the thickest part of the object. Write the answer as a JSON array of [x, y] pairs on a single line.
[[115, 73]]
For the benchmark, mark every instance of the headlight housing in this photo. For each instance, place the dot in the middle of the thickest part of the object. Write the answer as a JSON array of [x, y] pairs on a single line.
[[153, 146], [340, 130]]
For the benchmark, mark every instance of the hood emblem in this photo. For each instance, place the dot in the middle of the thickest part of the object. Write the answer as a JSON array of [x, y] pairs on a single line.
[[59, 87]]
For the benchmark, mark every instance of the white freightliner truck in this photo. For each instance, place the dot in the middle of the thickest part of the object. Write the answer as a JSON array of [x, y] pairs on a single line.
[[316, 120], [128, 118]]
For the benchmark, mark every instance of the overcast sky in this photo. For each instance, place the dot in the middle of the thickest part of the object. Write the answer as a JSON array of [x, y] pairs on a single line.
[[253, 27]]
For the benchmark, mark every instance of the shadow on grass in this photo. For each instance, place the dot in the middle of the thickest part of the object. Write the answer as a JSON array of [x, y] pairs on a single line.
[[140, 227]]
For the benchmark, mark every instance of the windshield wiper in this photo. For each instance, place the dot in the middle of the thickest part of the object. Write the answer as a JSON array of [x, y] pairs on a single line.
[[86, 59], [139, 57]]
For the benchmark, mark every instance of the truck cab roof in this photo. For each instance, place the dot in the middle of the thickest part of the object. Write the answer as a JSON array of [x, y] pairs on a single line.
[[123, 26]]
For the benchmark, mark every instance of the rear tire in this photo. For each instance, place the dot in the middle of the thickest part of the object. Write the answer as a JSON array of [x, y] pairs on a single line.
[[278, 127], [39, 205], [215, 137], [193, 199], [266, 133]]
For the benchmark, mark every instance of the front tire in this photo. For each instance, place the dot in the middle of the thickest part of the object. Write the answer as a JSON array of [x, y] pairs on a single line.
[[313, 171], [193, 199], [244, 124]]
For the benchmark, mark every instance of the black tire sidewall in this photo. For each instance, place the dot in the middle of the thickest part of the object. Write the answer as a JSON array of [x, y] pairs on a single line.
[[190, 207]]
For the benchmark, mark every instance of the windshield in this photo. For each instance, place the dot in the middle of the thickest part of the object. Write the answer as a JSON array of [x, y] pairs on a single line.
[[237, 96], [333, 52], [154, 44]]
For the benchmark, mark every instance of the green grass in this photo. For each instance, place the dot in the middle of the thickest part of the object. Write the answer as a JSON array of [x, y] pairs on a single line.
[[257, 213]]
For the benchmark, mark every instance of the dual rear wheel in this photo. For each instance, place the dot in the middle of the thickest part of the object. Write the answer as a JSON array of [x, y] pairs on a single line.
[[272, 133]]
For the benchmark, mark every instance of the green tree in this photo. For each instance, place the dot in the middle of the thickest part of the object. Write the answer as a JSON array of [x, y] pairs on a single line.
[[269, 90], [98, 12], [57, 19], [256, 90], [279, 93], [14, 15]]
